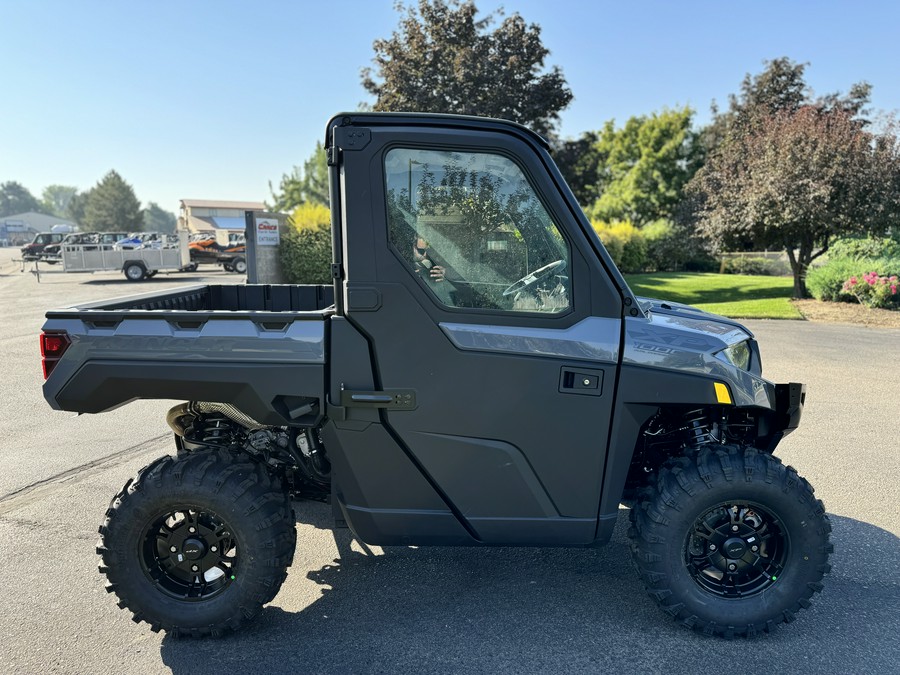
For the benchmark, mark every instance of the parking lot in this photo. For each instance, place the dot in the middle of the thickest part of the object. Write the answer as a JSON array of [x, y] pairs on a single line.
[[347, 608]]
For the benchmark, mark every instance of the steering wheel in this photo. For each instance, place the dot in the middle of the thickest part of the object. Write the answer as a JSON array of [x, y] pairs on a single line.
[[534, 277]]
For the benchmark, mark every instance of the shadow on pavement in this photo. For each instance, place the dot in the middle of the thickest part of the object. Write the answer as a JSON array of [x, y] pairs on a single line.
[[544, 610]]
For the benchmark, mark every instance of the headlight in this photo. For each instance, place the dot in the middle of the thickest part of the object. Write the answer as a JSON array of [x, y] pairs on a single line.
[[737, 355]]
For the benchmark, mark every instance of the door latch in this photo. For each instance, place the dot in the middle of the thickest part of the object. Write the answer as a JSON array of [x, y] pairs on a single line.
[[587, 381]]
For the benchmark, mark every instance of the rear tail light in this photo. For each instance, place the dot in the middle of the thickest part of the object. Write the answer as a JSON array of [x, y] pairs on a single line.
[[53, 346]]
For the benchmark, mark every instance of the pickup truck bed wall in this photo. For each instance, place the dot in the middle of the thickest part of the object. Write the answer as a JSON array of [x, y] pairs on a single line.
[[261, 348]]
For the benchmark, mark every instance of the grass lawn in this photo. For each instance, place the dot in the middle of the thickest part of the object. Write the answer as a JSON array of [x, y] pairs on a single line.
[[733, 295]]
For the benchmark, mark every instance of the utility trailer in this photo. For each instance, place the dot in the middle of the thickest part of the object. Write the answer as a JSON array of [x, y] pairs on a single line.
[[136, 264]]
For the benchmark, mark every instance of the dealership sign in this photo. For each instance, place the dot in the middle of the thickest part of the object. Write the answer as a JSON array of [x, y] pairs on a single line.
[[267, 232]]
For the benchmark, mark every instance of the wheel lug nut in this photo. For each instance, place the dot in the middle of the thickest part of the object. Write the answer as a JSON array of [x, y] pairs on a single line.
[[194, 568], [173, 548], [754, 548], [213, 549], [712, 547], [194, 529], [732, 567], [734, 528]]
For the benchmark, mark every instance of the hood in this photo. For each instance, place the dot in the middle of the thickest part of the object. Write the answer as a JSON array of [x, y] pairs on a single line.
[[680, 310], [675, 336], [679, 336], [689, 316]]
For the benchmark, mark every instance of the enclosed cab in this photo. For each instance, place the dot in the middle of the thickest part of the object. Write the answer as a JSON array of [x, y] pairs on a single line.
[[35, 249]]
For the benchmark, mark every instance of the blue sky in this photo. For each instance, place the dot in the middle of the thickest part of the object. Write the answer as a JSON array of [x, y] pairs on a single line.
[[214, 99]]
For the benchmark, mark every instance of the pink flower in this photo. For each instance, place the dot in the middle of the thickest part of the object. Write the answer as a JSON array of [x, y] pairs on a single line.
[[893, 289], [852, 281]]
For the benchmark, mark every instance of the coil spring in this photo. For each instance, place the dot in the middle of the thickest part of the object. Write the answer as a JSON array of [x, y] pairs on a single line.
[[698, 426], [216, 429]]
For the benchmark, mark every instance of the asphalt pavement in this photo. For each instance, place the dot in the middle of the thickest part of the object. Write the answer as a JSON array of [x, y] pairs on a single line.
[[348, 608]]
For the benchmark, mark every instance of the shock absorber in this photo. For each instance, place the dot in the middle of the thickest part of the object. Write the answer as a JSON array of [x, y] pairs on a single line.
[[215, 430], [698, 426]]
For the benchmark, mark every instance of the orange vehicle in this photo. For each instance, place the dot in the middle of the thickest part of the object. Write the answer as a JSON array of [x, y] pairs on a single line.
[[206, 250]]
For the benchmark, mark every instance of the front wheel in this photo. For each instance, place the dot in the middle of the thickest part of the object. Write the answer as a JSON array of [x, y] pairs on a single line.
[[197, 544], [730, 542]]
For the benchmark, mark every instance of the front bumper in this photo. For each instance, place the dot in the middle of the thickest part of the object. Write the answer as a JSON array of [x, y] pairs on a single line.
[[789, 401]]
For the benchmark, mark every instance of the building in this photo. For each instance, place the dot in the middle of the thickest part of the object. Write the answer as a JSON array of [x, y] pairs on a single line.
[[209, 216], [21, 228]]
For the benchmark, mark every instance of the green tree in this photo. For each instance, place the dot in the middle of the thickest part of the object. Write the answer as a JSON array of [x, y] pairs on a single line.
[[748, 154], [55, 199], [779, 88], [157, 219], [112, 205], [76, 206], [644, 166], [579, 162], [302, 186], [15, 198], [797, 180], [443, 59]]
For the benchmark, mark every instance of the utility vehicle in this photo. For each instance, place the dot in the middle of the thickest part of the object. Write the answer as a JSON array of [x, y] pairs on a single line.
[[478, 374]]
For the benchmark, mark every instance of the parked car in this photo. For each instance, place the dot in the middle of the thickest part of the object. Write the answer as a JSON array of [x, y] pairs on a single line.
[[35, 249], [89, 240], [146, 240]]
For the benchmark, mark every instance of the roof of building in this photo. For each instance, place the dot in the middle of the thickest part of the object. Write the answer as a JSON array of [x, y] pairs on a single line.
[[40, 222], [214, 204]]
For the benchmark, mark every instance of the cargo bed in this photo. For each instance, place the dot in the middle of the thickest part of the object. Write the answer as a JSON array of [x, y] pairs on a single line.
[[259, 347]]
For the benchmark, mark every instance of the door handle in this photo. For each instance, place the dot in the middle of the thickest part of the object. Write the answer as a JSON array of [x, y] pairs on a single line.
[[586, 381]]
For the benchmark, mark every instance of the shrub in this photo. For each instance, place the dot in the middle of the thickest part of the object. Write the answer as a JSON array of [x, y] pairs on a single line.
[[311, 216], [873, 290], [747, 265], [625, 244], [865, 248], [672, 247], [826, 282], [756, 264], [306, 246]]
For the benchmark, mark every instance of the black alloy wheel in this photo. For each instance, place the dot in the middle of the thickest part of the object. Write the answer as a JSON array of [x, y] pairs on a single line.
[[190, 554], [736, 550]]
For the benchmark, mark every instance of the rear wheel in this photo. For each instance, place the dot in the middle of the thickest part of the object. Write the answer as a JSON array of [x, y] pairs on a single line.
[[730, 542], [197, 544], [134, 271], [239, 265]]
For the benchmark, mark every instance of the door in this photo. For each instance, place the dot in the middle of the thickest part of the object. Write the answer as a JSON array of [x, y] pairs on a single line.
[[470, 277]]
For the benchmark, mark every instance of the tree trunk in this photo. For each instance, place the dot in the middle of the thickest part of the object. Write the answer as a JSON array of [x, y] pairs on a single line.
[[799, 265]]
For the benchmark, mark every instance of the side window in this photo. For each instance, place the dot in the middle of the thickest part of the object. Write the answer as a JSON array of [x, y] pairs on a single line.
[[472, 228]]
